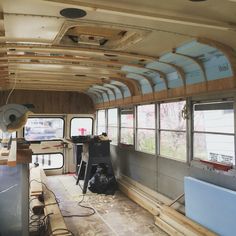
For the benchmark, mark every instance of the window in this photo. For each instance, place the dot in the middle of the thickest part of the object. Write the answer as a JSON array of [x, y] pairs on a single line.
[[37, 129], [146, 128], [127, 126], [101, 122], [81, 126], [113, 125], [172, 131], [49, 161], [6, 135], [213, 135]]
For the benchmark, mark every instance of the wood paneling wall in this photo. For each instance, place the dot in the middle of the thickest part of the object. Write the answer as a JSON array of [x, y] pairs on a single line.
[[51, 102]]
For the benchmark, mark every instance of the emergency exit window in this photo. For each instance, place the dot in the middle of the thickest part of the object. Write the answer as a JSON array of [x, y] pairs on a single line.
[[81, 126]]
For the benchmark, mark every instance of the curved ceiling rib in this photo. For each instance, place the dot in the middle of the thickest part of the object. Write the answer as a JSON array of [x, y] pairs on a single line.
[[109, 92], [117, 90], [108, 75], [145, 83], [133, 86], [99, 93]]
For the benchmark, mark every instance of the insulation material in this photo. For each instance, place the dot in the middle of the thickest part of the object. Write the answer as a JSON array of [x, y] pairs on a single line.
[[216, 64], [211, 206]]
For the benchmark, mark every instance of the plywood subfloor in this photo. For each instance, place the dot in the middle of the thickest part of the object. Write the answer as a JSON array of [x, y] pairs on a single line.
[[115, 215]]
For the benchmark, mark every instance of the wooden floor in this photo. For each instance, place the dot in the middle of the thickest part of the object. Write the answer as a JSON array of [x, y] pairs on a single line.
[[115, 215]]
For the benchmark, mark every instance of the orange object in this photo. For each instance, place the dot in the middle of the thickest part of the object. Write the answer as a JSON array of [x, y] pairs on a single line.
[[218, 166]]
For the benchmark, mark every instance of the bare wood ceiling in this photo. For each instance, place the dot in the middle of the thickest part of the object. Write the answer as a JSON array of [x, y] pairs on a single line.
[[33, 59]]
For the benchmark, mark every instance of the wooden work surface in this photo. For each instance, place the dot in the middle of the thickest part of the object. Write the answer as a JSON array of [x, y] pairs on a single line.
[[15, 155]]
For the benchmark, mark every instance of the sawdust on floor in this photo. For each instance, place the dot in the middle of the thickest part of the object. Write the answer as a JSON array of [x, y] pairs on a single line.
[[115, 215]]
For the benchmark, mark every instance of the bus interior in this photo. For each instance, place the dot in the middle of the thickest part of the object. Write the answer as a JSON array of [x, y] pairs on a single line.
[[140, 94]]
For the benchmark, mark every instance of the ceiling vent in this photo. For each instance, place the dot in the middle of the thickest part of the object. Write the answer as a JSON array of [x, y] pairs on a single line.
[[98, 35]]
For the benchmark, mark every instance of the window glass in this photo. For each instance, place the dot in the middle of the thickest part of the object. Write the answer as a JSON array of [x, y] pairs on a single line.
[[6, 135], [146, 116], [172, 131], [81, 126], [217, 148], [37, 129], [48, 161], [213, 138], [101, 122], [127, 125], [146, 141], [171, 116], [173, 145], [112, 117], [127, 136], [113, 134], [127, 118], [146, 128], [218, 120], [113, 125]]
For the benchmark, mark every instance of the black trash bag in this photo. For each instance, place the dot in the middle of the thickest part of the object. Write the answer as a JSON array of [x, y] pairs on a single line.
[[102, 182]]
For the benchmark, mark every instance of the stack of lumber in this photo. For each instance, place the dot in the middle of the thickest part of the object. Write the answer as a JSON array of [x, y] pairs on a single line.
[[174, 223], [50, 205], [167, 218]]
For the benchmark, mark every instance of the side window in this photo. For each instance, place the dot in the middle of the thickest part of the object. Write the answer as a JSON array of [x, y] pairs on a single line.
[[213, 134], [81, 126], [146, 128], [127, 126], [101, 121], [172, 131], [49, 161], [7, 135], [113, 125], [38, 129]]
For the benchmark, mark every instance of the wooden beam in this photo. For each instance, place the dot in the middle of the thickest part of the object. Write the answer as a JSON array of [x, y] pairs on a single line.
[[76, 51], [52, 210]]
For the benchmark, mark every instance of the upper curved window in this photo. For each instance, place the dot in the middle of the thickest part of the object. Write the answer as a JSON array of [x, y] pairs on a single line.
[[81, 126], [38, 129]]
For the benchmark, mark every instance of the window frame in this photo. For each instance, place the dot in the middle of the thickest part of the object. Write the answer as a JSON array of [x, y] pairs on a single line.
[[151, 129], [51, 153], [118, 124], [105, 125], [208, 101], [46, 117], [84, 117], [133, 128], [159, 130]]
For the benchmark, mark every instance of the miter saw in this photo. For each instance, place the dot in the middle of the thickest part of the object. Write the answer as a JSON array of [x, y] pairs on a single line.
[[13, 117]]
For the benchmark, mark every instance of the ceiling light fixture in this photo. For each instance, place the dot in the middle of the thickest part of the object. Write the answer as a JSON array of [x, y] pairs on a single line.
[[73, 13]]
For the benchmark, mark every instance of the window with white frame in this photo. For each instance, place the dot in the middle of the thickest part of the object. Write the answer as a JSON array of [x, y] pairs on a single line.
[[172, 131], [127, 126], [49, 160], [42, 128], [213, 133], [145, 141], [81, 126], [112, 116], [6, 135], [101, 122]]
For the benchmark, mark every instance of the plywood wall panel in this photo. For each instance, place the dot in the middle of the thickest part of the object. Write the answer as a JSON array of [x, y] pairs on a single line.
[[52, 102]]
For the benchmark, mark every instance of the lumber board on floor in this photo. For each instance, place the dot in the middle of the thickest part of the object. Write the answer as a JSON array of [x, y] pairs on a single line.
[[167, 218], [52, 210], [183, 223], [167, 228], [35, 182]]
